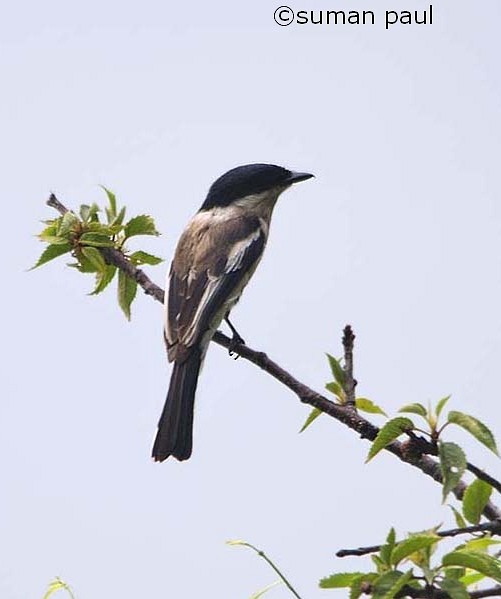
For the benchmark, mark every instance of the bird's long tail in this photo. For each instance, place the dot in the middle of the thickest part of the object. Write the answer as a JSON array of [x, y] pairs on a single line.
[[175, 428]]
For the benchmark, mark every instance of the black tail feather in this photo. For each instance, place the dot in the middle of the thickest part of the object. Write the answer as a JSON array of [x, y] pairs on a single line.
[[175, 428]]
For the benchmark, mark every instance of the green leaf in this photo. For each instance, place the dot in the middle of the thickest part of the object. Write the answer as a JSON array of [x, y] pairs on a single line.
[[388, 433], [339, 581], [471, 578], [338, 391], [262, 592], [111, 212], [51, 229], [51, 252], [313, 415], [481, 544], [415, 408], [412, 545], [387, 548], [460, 521], [475, 499], [103, 279], [337, 370], [140, 225], [68, 224], [452, 465], [95, 257], [480, 562], [474, 427], [127, 289], [441, 405], [389, 583], [88, 213], [366, 405], [119, 218], [140, 257], [454, 588], [96, 240], [397, 586]]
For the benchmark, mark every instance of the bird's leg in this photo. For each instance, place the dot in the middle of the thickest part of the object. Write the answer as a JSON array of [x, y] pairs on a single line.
[[235, 340]]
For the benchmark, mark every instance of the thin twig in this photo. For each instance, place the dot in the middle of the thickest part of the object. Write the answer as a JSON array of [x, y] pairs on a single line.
[[493, 527], [349, 382], [342, 413]]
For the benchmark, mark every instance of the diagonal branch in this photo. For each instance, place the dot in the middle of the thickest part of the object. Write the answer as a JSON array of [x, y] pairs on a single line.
[[493, 527], [343, 413]]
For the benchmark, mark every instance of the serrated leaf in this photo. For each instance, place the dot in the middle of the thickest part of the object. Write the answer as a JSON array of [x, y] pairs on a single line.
[[338, 391], [366, 405], [89, 213], [262, 592], [339, 581], [480, 562], [51, 252], [475, 499], [460, 521], [454, 588], [53, 240], [452, 465], [387, 548], [337, 370], [140, 257], [103, 229], [111, 212], [383, 585], [51, 229], [96, 240], [68, 224], [411, 545], [388, 433], [397, 585], [475, 428], [312, 416], [119, 218], [441, 404], [414, 408], [140, 225], [103, 279], [95, 257], [127, 289]]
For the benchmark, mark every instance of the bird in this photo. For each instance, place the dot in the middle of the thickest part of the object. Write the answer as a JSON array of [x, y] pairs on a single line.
[[215, 257]]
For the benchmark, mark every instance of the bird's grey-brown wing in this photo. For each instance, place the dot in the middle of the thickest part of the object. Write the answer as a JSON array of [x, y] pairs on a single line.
[[211, 266]]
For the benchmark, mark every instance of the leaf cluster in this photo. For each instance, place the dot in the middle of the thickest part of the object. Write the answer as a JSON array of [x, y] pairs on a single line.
[[87, 237]]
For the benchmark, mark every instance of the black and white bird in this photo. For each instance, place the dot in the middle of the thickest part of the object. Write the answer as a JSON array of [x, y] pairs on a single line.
[[215, 257]]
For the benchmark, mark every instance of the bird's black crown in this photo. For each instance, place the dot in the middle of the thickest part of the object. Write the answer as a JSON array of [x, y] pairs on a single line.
[[243, 181]]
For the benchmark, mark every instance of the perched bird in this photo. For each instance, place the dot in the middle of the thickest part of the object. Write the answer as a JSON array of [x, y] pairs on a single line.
[[215, 257]]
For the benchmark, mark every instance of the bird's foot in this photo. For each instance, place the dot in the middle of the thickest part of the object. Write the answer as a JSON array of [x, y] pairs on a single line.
[[236, 340]]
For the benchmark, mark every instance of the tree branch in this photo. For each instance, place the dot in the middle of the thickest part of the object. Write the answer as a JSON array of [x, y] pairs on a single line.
[[350, 383], [426, 593], [343, 413], [493, 527]]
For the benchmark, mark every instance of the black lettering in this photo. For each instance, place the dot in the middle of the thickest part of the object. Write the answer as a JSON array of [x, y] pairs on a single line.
[[368, 12], [312, 17], [301, 17], [336, 13]]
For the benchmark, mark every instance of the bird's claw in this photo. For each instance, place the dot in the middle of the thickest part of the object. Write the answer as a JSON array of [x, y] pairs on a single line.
[[236, 340]]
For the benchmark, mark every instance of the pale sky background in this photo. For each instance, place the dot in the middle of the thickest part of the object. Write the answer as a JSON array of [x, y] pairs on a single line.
[[399, 234]]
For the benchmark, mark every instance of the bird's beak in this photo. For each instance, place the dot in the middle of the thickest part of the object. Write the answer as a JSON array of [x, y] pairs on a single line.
[[297, 177]]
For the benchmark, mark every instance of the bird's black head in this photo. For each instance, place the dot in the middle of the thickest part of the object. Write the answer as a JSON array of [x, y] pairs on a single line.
[[248, 180]]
